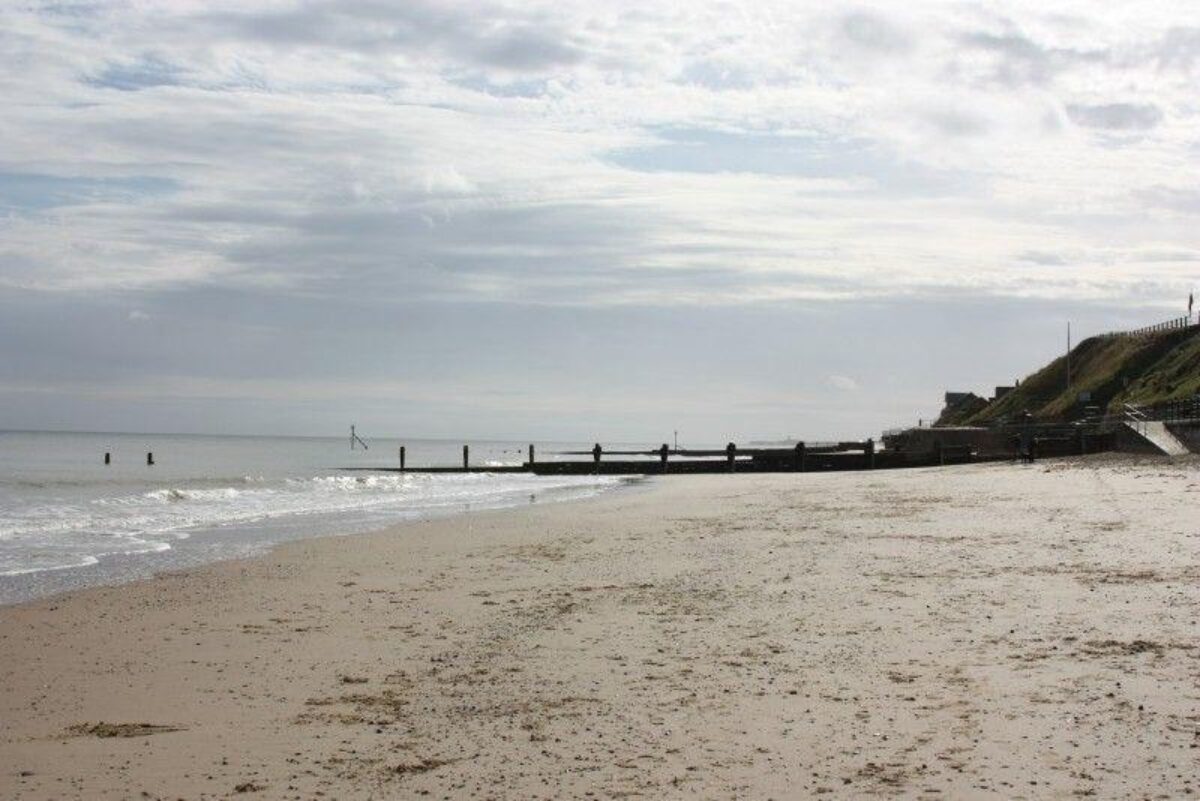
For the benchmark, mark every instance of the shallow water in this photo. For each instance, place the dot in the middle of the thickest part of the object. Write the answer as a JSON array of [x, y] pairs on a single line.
[[68, 520]]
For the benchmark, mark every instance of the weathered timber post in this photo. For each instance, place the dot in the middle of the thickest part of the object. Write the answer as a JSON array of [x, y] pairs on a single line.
[[402, 455], [730, 455], [662, 454], [466, 454], [869, 453], [149, 459], [596, 451], [107, 457], [800, 448], [531, 454]]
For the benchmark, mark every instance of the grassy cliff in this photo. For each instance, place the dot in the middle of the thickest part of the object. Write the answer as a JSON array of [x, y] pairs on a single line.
[[1115, 369]]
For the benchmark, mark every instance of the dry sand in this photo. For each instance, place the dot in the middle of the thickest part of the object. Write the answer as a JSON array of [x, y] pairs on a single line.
[[990, 631]]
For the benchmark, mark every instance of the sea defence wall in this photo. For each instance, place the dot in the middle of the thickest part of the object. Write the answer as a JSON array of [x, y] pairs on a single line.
[[1188, 433], [1129, 441], [926, 440], [1008, 442]]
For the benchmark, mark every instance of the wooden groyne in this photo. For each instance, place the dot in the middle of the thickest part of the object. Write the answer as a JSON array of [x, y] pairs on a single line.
[[802, 458]]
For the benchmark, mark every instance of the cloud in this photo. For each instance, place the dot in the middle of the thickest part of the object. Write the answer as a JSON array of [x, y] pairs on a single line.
[[136, 75], [481, 34], [573, 154], [1014, 59], [1182, 200], [842, 383], [1116, 116], [32, 192], [1043, 258], [1018, 59], [875, 33], [1179, 48], [957, 123]]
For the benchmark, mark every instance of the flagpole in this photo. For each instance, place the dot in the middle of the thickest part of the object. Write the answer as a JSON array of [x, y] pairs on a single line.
[[1068, 355]]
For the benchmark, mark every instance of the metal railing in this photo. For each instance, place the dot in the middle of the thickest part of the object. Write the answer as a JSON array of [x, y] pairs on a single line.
[[1135, 418], [1173, 411]]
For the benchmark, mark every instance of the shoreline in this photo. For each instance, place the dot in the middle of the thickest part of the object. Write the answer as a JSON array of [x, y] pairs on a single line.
[[247, 540], [968, 631]]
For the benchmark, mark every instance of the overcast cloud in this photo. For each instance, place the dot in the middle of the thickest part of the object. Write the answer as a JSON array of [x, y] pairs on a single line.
[[577, 219]]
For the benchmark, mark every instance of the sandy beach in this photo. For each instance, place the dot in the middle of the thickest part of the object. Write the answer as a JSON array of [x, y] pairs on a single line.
[[989, 631]]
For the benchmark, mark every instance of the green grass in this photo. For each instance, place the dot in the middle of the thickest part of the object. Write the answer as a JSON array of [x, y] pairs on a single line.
[[1175, 377]]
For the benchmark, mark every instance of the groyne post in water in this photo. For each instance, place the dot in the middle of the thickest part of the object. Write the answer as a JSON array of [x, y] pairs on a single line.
[[800, 448], [662, 454], [596, 451], [869, 452], [466, 456], [531, 454], [149, 459], [402, 457], [730, 455], [107, 457]]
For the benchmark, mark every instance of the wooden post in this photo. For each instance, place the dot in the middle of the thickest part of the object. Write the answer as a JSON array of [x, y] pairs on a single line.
[[107, 457], [662, 454], [869, 452], [149, 459], [596, 451], [800, 449], [731, 455], [402, 455], [531, 454], [940, 452], [466, 454]]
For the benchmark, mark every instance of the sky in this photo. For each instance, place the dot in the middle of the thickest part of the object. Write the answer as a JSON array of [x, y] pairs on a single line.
[[578, 220]]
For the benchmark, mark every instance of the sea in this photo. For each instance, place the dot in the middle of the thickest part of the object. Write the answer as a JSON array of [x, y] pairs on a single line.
[[68, 520]]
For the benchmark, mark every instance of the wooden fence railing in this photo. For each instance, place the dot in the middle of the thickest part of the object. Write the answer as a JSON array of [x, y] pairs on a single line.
[[1174, 324]]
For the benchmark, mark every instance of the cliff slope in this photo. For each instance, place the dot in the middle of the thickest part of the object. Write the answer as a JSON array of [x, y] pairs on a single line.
[[1114, 370]]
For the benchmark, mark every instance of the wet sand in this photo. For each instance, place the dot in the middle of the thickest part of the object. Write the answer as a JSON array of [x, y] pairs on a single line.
[[990, 631]]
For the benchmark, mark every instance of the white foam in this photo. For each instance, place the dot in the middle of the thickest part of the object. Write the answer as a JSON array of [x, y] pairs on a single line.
[[83, 561], [77, 532]]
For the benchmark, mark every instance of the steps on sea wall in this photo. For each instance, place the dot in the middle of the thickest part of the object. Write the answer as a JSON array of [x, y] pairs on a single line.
[[1157, 436]]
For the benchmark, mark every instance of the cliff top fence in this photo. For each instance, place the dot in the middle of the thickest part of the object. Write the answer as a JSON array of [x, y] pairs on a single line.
[[1174, 324]]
